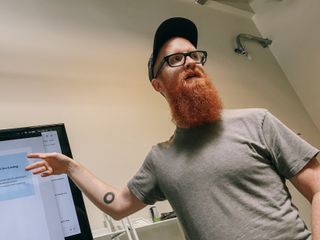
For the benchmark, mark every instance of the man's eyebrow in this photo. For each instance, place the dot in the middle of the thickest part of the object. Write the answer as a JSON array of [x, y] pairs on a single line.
[[189, 50]]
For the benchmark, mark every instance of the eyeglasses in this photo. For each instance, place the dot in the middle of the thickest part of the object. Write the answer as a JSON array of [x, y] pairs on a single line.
[[179, 59]]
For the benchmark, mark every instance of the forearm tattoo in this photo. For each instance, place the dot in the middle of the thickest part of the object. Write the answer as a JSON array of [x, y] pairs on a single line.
[[108, 197]]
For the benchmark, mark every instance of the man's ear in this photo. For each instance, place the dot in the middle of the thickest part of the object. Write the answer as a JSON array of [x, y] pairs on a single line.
[[156, 85]]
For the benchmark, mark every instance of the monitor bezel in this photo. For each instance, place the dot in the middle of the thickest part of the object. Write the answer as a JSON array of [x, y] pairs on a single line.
[[33, 131]]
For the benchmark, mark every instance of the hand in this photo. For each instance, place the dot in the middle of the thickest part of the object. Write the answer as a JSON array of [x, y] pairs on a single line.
[[51, 164]]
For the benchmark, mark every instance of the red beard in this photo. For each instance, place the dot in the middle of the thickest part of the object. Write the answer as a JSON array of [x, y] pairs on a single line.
[[194, 101]]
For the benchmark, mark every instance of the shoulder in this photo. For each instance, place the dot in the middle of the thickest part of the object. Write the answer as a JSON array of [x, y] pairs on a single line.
[[156, 151], [162, 145], [245, 114]]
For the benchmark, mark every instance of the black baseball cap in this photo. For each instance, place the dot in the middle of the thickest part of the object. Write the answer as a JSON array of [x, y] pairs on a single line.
[[172, 27]]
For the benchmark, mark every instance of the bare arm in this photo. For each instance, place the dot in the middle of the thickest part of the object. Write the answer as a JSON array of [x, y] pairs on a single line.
[[307, 181], [116, 203]]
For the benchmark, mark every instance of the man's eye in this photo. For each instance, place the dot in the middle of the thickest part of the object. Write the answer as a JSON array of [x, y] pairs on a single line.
[[195, 56], [175, 59]]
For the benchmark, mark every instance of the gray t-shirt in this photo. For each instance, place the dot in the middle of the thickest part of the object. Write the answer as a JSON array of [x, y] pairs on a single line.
[[226, 181]]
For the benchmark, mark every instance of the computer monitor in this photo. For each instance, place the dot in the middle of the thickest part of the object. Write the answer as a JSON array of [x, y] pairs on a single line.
[[34, 207]]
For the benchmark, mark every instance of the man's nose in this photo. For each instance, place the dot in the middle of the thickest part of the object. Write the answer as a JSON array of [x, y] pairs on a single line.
[[190, 63]]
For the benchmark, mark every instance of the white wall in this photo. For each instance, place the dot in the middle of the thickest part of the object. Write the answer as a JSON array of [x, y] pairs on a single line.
[[293, 25], [84, 63]]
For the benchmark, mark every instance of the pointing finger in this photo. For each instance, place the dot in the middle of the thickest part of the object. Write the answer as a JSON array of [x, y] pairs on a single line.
[[35, 155]]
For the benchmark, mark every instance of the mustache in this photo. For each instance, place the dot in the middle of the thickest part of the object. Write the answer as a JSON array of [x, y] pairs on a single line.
[[189, 73]]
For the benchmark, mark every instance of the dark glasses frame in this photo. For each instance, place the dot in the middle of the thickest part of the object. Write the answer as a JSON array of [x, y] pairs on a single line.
[[185, 55]]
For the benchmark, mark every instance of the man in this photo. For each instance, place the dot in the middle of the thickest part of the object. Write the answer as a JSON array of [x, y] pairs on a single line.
[[223, 172]]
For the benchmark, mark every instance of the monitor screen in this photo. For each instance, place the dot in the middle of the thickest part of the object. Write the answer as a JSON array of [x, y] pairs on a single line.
[[34, 207]]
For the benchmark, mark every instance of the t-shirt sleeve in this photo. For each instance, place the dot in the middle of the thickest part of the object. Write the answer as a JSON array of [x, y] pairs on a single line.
[[289, 152], [144, 183]]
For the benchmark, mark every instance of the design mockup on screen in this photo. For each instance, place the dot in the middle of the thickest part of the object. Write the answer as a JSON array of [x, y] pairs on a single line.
[[34, 207]]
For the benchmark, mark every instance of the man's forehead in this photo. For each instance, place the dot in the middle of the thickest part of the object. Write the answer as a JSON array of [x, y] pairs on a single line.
[[174, 45]]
